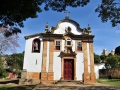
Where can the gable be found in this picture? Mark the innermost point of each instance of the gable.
(61, 28)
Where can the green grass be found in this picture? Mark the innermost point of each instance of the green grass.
(112, 82)
(26, 87)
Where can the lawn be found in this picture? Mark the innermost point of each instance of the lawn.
(112, 82)
(25, 87)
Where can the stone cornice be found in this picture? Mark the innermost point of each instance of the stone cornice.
(33, 35)
(50, 36)
(63, 54)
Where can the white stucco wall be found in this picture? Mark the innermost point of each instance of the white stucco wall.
(32, 61)
(73, 47)
(63, 45)
(57, 66)
(79, 66)
(62, 27)
(97, 67)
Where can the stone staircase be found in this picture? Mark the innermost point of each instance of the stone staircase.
(58, 85)
(68, 83)
(73, 85)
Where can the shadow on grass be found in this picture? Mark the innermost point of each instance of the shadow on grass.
(108, 80)
(13, 85)
(114, 80)
(9, 81)
(26, 87)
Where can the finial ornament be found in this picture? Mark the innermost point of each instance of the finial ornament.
(89, 29)
(67, 12)
(46, 27)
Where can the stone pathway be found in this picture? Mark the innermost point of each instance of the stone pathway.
(63, 86)
(76, 87)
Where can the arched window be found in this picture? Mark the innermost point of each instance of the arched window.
(36, 45)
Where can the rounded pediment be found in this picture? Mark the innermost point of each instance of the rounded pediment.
(70, 21)
(68, 24)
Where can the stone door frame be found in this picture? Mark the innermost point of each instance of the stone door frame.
(62, 67)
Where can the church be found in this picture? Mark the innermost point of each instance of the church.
(62, 52)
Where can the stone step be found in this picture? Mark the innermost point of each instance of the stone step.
(69, 82)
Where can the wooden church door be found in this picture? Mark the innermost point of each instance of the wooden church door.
(68, 69)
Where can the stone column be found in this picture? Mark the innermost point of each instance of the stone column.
(92, 73)
(44, 58)
(50, 70)
(86, 77)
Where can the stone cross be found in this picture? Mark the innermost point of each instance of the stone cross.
(67, 12)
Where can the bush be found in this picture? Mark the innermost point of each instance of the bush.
(3, 73)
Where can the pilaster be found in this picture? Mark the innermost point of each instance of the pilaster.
(92, 73)
(86, 75)
(44, 73)
(50, 70)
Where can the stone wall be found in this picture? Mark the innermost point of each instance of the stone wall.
(105, 73)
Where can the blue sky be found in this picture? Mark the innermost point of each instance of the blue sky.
(106, 36)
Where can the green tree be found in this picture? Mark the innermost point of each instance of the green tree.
(15, 61)
(109, 10)
(3, 72)
(103, 57)
(14, 12)
(117, 50)
(112, 61)
(97, 58)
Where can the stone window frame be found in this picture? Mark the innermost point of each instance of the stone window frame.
(59, 46)
(38, 45)
(76, 46)
(66, 42)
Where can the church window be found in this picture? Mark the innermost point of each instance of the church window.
(36, 45)
(79, 46)
(68, 42)
(57, 45)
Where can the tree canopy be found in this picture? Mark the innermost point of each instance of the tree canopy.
(97, 58)
(3, 72)
(14, 12)
(112, 61)
(15, 61)
(109, 10)
(8, 39)
(117, 50)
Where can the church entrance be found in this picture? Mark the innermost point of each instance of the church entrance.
(68, 69)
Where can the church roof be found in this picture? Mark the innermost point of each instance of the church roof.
(85, 32)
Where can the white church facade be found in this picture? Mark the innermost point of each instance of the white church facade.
(64, 52)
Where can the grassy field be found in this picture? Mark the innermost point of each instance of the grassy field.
(9, 87)
(112, 82)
